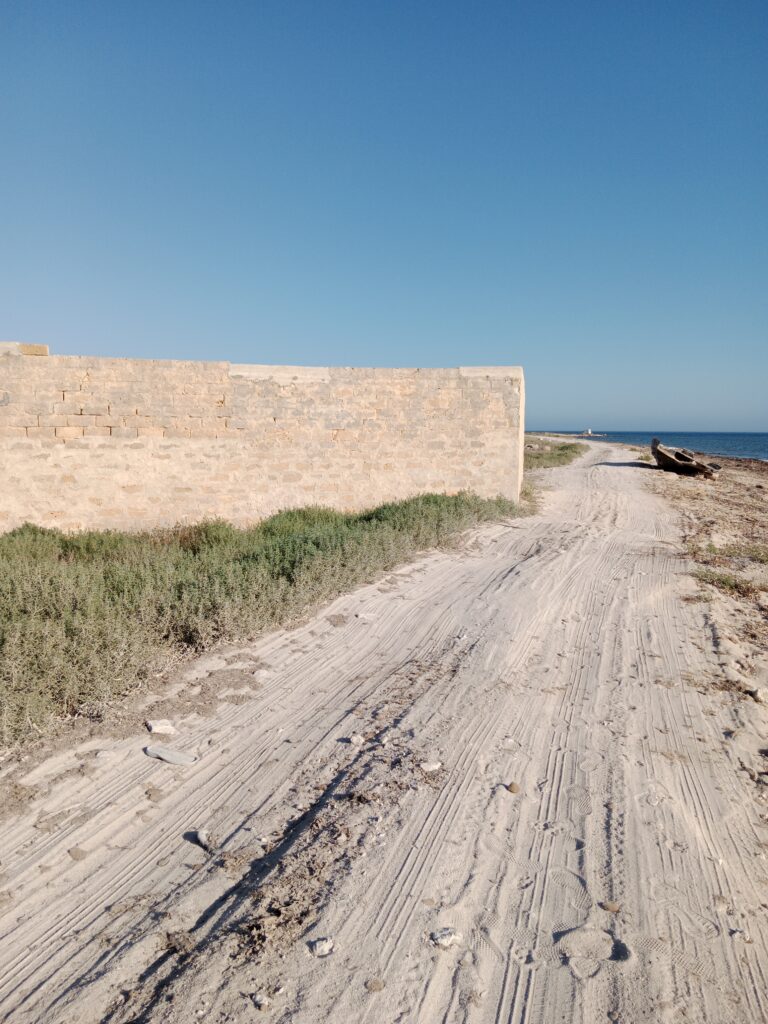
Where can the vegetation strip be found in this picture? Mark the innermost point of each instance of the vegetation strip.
(85, 618)
(550, 453)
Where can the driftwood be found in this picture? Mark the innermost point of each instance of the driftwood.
(680, 460)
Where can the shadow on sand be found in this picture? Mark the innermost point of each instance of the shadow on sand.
(631, 465)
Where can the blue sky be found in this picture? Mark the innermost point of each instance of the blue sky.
(577, 187)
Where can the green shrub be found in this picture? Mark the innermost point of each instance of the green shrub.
(560, 455)
(87, 617)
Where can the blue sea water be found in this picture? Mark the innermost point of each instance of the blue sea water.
(743, 446)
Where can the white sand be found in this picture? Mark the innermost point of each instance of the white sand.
(555, 653)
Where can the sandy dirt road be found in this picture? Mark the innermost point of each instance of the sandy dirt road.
(362, 794)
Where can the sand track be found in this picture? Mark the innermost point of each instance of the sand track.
(625, 879)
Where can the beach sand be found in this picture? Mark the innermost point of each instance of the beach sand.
(507, 782)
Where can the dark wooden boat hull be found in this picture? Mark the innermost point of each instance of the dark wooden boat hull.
(680, 460)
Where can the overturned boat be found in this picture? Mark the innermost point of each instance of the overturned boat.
(680, 460)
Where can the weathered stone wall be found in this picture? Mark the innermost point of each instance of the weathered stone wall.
(130, 443)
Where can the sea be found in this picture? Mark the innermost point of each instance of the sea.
(741, 446)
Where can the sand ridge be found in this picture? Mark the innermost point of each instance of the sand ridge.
(512, 745)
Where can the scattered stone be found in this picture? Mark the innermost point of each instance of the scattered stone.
(611, 906)
(179, 942)
(154, 793)
(513, 787)
(76, 853)
(321, 947)
(759, 694)
(161, 726)
(356, 739)
(431, 766)
(170, 755)
(261, 1001)
(374, 985)
(203, 838)
(444, 938)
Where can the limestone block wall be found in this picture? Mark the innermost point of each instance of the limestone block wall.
(91, 442)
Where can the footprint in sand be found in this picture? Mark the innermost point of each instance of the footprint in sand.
(578, 798)
(568, 901)
(654, 794)
(587, 949)
(672, 901)
(591, 762)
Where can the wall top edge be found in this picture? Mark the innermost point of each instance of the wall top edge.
(22, 348)
(261, 371)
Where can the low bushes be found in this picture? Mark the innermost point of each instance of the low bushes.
(86, 617)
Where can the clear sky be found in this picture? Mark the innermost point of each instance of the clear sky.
(580, 187)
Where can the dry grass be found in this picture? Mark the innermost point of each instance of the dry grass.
(88, 617)
(727, 582)
(561, 454)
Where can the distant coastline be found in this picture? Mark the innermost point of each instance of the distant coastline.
(732, 444)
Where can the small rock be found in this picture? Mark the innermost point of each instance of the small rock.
(611, 906)
(513, 787)
(374, 985)
(161, 726)
(170, 755)
(76, 853)
(261, 1001)
(431, 766)
(356, 739)
(203, 838)
(444, 938)
(321, 947)
(760, 694)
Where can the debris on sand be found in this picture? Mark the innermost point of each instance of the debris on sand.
(680, 460)
(431, 766)
(321, 947)
(444, 938)
(76, 853)
(513, 787)
(160, 727)
(261, 1000)
(611, 906)
(203, 839)
(374, 985)
(170, 755)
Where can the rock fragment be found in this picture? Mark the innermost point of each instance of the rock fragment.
(431, 766)
(170, 755)
(611, 906)
(374, 985)
(513, 787)
(160, 726)
(444, 938)
(321, 947)
(203, 838)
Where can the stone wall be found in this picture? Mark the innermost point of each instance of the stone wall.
(130, 443)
